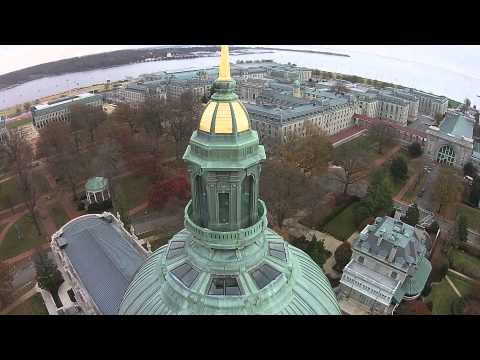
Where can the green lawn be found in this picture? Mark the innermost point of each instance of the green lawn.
(33, 306)
(10, 196)
(19, 123)
(12, 246)
(442, 294)
(473, 216)
(59, 215)
(135, 189)
(342, 226)
(459, 260)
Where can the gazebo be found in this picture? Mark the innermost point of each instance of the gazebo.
(96, 190)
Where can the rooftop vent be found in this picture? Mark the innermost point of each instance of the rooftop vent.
(62, 242)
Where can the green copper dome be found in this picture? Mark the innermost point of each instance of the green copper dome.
(226, 260)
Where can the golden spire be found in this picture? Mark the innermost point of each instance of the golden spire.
(224, 69)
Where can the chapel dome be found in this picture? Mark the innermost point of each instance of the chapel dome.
(224, 117)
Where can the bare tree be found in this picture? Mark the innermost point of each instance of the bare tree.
(20, 155)
(282, 188)
(446, 187)
(181, 120)
(153, 116)
(381, 134)
(123, 114)
(6, 286)
(354, 162)
(85, 118)
(308, 149)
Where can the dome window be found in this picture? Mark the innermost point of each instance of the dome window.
(175, 249)
(277, 250)
(224, 286)
(264, 275)
(186, 274)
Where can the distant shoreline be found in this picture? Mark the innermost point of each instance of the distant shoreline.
(304, 51)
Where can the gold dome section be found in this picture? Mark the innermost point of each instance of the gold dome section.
(223, 119)
(206, 120)
(219, 117)
(241, 118)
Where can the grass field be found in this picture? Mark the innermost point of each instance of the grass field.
(12, 246)
(32, 306)
(10, 196)
(59, 215)
(473, 216)
(442, 294)
(16, 124)
(342, 225)
(135, 189)
(459, 260)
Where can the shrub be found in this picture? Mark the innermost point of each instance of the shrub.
(458, 306)
(433, 228)
(469, 170)
(343, 254)
(440, 265)
(399, 168)
(415, 150)
(100, 207)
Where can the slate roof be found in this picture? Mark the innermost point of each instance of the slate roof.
(457, 125)
(401, 244)
(103, 257)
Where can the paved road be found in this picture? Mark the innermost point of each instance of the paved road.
(422, 123)
(427, 201)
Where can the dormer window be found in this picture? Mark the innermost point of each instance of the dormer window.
(361, 259)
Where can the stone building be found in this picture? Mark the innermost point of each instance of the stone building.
(278, 113)
(59, 110)
(98, 258)
(226, 260)
(389, 264)
(452, 143)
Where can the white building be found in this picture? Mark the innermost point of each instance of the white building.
(59, 110)
(389, 264)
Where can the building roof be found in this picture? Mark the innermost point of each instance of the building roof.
(457, 124)
(170, 292)
(65, 101)
(415, 283)
(224, 118)
(95, 184)
(393, 241)
(103, 256)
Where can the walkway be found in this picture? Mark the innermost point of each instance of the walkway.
(463, 276)
(407, 186)
(453, 286)
(19, 301)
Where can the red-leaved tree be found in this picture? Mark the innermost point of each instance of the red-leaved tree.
(162, 191)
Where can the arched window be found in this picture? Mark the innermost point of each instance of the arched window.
(446, 155)
(201, 202)
(247, 200)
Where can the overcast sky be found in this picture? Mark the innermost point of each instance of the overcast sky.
(464, 59)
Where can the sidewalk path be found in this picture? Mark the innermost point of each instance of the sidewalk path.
(453, 286)
(406, 187)
(19, 301)
(139, 208)
(463, 276)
